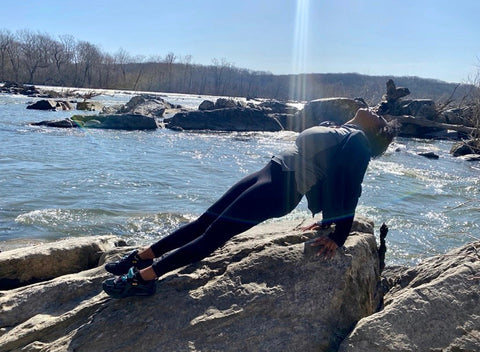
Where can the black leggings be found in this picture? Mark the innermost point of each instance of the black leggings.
(268, 193)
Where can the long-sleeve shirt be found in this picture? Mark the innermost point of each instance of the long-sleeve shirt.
(329, 165)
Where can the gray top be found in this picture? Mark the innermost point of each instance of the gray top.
(303, 157)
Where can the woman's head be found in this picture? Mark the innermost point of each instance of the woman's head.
(379, 132)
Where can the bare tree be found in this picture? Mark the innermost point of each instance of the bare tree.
(122, 58)
(36, 51)
(63, 52)
(169, 60)
(89, 57)
(6, 40)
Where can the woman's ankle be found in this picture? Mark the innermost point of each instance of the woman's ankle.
(146, 254)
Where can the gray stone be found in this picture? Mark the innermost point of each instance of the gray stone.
(224, 103)
(394, 93)
(419, 108)
(232, 119)
(129, 122)
(145, 105)
(23, 266)
(89, 106)
(434, 306)
(49, 104)
(65, 123)
(471, 146)
(338, 110)
(206, 105)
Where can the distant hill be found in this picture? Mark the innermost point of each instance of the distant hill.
(372, 88)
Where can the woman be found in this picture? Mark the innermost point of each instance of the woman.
(327, 165)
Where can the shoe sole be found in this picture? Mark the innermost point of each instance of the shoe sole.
(113, 291)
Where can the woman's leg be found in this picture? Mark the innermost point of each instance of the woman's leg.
(271, 193)
(196, 228)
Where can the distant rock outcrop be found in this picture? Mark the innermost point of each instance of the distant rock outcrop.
(231, 115)
(462, 148)
(147, 105)
(17, 88)
(140, 113)
(50, 104)
(127, 122)
(89, 106)
(421, 118)
(225, 119)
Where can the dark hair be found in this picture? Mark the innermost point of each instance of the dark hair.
(380, 140)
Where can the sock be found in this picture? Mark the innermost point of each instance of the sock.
(139, 278)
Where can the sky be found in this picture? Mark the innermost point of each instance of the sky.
(436, 39)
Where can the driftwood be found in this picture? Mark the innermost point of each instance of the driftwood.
(423, 122)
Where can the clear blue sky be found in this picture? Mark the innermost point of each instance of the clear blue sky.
(427, 38)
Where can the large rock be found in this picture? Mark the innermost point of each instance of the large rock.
(17, 88)
(49, 104)
(265, 290)
(20, 267)
(467, 147)
(338, 110)
(206, 105)
(229, 119)
(394, 93)
(465, 116)
(146, 105)
(89, 106)
(434, 306)
(65, 123)
(129, 122)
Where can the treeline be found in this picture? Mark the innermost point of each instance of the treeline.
(38, 58)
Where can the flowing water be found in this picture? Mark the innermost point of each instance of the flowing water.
(57, 183)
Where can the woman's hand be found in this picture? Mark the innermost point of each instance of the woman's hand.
(313, 227)
(328, 247)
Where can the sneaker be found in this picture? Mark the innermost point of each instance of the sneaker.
(129, 285)
(122, 266)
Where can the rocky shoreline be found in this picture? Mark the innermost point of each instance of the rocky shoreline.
(265, 290)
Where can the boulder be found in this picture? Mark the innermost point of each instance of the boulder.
(429, 155)
(129, 122)
(49, 104)
(418, 107)
(65, 123)
(89, 106)
(458, 116)
(394, 93)
(17, 88)
(224, 103)
(206, 105)
(264, 290)
(231, 119)
(434, 306)
(278, 107)
(20, 267)
(146, 105)
(471, 146)
(338, 110)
